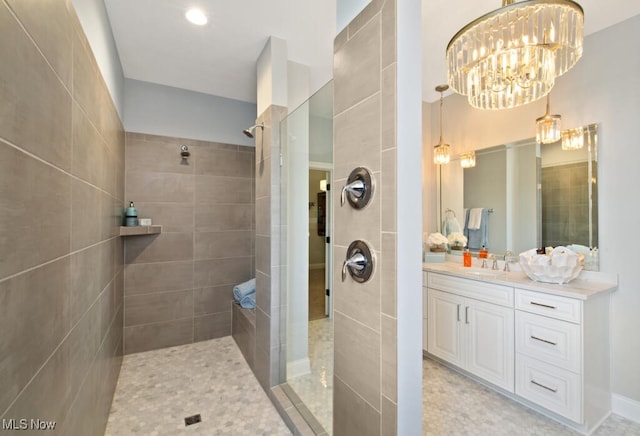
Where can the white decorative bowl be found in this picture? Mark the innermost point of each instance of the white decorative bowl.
(562, 266)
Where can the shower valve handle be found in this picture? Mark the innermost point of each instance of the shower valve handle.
(359, 262)
(355, 188)
(359, 188)
(356, 262)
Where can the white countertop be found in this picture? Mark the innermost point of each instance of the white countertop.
(587, 285)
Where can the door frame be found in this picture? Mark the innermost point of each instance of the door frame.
(328, 256)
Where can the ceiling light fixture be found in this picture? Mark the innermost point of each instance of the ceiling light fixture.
(441, 154)
(196, 16)
(468, 160)
(548, 127)
(512, 56)
(572, 139)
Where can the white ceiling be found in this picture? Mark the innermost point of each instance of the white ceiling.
(156, 44)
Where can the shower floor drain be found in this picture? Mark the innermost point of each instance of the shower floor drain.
(194, 419)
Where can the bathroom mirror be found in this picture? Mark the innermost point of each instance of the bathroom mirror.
(539, 194)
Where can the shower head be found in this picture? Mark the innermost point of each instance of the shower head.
(249, 131)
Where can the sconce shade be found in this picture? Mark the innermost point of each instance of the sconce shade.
(572, 139)
(512, 56)
(468, 160)
(548, 127)
(441, 154)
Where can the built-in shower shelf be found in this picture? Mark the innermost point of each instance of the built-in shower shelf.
(140, 230)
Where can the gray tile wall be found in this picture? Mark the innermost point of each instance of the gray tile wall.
(565, 205)
(61, 191)
(365, 320)
(178, 284)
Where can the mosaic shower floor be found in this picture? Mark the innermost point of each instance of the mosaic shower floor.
(158, 389)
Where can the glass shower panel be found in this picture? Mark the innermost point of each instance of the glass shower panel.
(306, 141)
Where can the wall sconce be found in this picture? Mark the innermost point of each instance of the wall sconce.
(441, 152)
(323, 185)
(548, 127)
(468, 160)
(572, 139)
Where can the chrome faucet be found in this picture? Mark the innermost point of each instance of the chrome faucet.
(495, 262)
(508, 256)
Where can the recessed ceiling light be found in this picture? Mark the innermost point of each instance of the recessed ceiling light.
(196, 16)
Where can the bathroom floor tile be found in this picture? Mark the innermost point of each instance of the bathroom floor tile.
(454, 404)
(158, 389)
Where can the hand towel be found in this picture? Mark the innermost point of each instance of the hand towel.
(243, 289)
(475, 218)
(477, 238)
(450, 225)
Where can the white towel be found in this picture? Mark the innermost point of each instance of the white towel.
(475, 218)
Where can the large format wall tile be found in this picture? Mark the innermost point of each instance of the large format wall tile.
(50, 25)
(159, 187)
(164, 306)
(158, 335)
(34, 210)
(363, 373)
(356, 68)
(220, 245)
(165, 247)
(36, 109)
(35, 320)
(217, 161)
(158, 277)
(351, 413)
(218, 217)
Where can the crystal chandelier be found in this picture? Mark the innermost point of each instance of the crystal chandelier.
(468, 160)
(548, 127)
(572, 139)
(512, 56)
(441, 152)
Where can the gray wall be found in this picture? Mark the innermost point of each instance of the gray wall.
(61, 191)
(178, 284)
(603, 88)
(164, 110)
(95, 22)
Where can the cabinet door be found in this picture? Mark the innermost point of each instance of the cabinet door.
(490, 341)
(425, 313)
(445, 326)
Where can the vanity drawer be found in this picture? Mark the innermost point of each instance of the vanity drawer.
(550, 340)
(424, 278)
(567, 309)
(556, 389)
(479, 290)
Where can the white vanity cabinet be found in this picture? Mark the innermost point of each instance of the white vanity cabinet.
(470, 324)
(544, 345)
(562, 354)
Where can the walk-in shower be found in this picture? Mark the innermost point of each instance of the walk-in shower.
(250, 130)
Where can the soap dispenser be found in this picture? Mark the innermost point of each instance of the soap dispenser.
(466, 258)
(131, 216)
